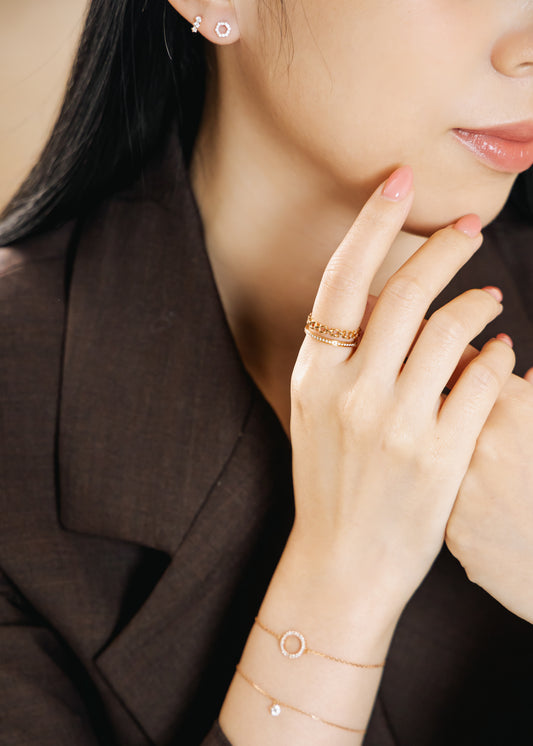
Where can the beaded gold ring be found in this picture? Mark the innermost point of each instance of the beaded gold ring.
(331, 335)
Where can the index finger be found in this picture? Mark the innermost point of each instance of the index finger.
(343, 291)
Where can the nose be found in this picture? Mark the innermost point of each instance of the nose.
(512, 55)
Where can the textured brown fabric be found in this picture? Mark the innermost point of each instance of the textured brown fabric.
(146, 496)
(217, 737)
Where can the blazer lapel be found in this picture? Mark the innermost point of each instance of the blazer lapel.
(186, 639)
(165, 441)
(154, 395)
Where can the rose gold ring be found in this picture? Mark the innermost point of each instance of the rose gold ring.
(331, 336)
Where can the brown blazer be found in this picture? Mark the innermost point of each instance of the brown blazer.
(146, 497)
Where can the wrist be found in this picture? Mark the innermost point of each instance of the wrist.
(376, 574)
(318, 595)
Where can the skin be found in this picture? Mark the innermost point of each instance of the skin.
(285, 161)
(490, 530)
(365, 532)
(296, 187)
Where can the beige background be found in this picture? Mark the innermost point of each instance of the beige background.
(37, 44)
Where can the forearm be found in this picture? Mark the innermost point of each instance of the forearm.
(339, 616)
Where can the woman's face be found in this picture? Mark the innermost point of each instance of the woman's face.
(377, 83)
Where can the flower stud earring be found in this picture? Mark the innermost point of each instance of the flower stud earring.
(197, 22)
(222, 29)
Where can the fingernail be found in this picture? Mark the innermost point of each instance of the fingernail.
(399, 184)
(494, 291)
(470, 225)
(505, 338)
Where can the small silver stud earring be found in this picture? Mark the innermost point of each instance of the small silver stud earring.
(222, 29)
(197, 21)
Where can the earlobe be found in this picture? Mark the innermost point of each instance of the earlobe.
(223, 29)
(214, 19)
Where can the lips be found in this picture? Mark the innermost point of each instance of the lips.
(508, 148)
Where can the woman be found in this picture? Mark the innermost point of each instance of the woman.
(147, 382)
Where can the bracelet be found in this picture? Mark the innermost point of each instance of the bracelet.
(282, 639)
(276, 705)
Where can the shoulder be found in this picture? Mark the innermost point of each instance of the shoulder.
(33, 269)
(32, 314)
(32, 323)
(46, 246)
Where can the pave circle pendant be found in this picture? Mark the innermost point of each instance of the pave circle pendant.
(275, 709)
(301, 650)
(222, 29)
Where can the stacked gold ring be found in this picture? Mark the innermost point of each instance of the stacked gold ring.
(331, 336)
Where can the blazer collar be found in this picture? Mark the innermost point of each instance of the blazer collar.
(154, 394)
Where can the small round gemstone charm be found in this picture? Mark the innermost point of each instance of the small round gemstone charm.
(301, 649)
(275, 710)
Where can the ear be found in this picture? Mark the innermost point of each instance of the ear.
(218, 18)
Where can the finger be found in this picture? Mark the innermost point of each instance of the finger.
(469, 403)
(408, 294)
(440, 346)
(468, 355)
(470, 352)
(342, 295)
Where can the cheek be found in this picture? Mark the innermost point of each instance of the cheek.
(373, 84)
(358, 96)
(442, 196)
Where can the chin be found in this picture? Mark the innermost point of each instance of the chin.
(424, 219)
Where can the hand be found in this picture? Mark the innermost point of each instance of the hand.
(490, 530)
(378, 455)
(378, 458)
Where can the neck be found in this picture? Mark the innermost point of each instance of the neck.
(272, 220)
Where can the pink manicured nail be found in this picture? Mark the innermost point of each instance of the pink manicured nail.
(505, 338)
(469, 225)
(494, 291)
(399, 184)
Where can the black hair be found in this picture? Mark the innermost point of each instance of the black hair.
(138, 69)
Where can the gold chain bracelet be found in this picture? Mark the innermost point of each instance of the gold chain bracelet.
(304, 648)
(276, 705)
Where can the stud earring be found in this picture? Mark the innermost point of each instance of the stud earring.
(197, 21)
(222, 29)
